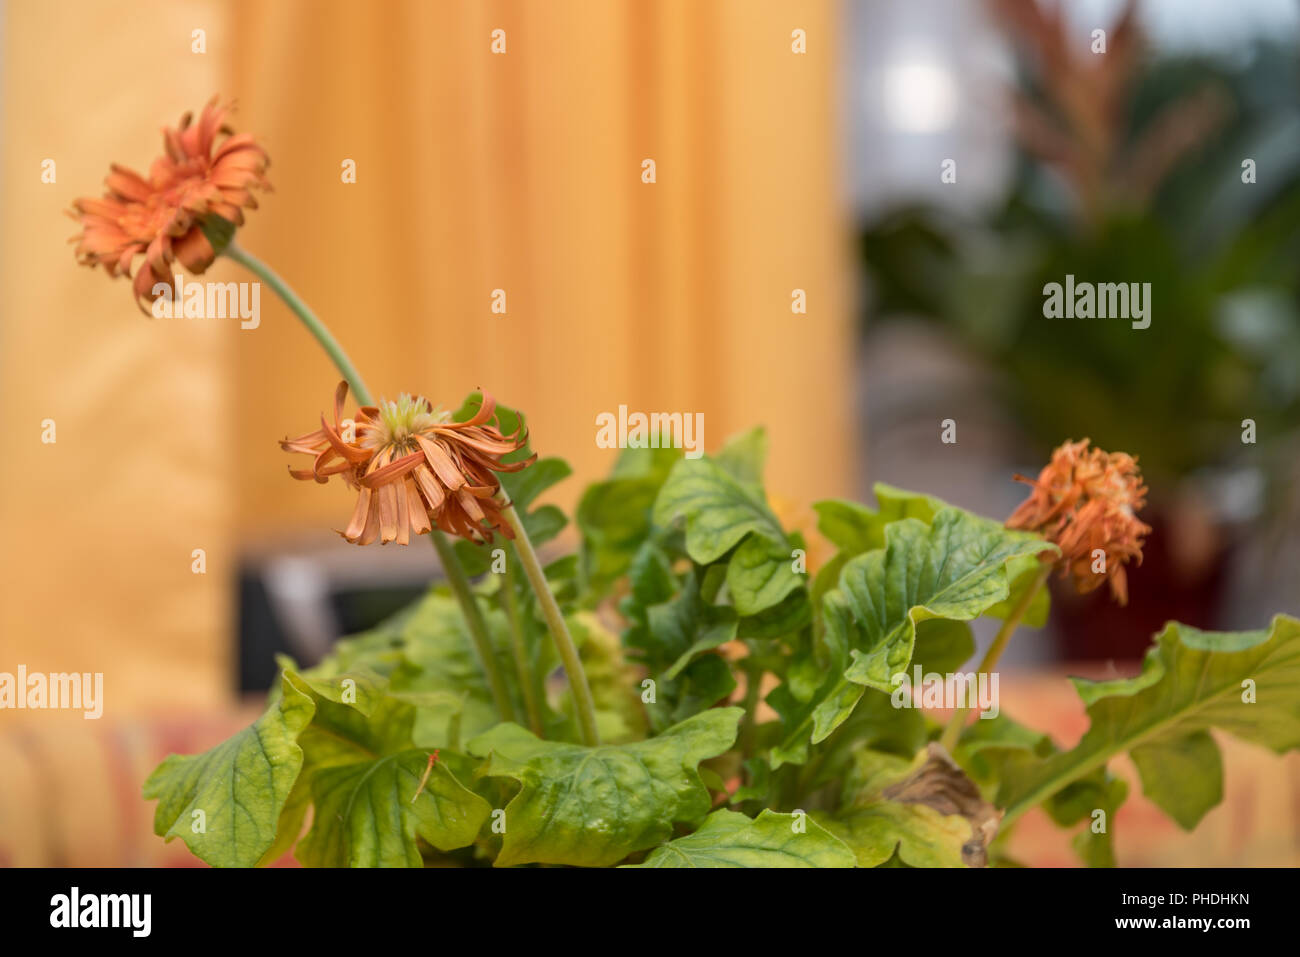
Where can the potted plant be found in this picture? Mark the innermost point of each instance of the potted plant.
(723, 703)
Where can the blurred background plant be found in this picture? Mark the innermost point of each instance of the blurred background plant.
(1178, 167)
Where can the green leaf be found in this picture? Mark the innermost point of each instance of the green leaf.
(704, 682)
(954, 568)
(729, 839)
(921, 836)
(368, 814)
(241, 786)
(288, 829)
(525, 486)
(790, 616)
(942, 645)
(814, 699)
(594, 806)
(988, 746)
(1183, 775)
(359, 687)
(651, 576)
(673, 640)
(990, 750)
(851, 527)
(759, 775)
(1080, 801)
(679, 631)
(365, 775)
(721, 514)
(743, 458)
(761, 575)
(927, 812)
(1191, 681)
(438, 655)
(614, 515)
(857, 529)
(614, 686)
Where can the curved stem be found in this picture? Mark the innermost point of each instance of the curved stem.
(952, 732)
(577, 676)
(459, 582)
(510, 601)
(301, 310)
(450, 563)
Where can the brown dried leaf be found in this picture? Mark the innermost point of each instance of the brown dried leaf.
(939, 783)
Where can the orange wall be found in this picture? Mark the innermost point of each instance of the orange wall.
(475, 171)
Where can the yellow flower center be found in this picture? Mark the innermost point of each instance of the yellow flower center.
(401, 419)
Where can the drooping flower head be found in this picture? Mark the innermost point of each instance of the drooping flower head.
(1084, 500)
(414, 468)
(196, 191)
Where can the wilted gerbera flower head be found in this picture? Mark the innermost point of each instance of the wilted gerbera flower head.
(1083, 500)
(197, 189)
(413, 468)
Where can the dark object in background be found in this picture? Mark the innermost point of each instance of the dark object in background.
(1093, 627)
(260, 636)
(264, 633)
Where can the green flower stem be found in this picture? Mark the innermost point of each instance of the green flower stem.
(478, 631)
(952, 732)
(573, 670)
(450, 563)
(300, 309)
(510, 602)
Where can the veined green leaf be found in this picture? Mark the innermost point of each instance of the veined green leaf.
(955, 568)
(594, 806)
(225, 804)
(702, 684)
(721, 514)
(679, 631)
(365, 777)
(368, 813)
(1244, 683)
(729, 839)
(787, 618)
(856, 529)
(673, 640)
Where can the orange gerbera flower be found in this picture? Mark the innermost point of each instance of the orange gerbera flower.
(1084, 500)
(414, 468)
(204, 180)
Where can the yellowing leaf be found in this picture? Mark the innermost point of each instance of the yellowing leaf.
(594, 806)
(729, 839)
(225, 804)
